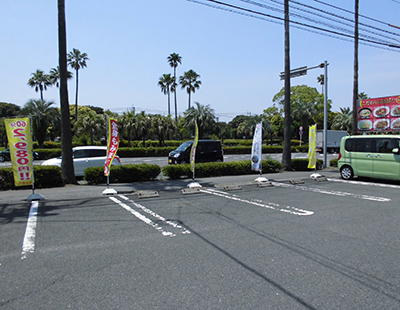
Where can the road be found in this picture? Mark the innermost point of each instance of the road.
(312, 245)
(162, 161)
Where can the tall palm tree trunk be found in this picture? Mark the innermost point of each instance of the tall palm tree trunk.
(169, 102)
(67, 164)
(287, 156)
(176, 107)
(76, 98)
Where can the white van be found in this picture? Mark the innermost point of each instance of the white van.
(375, 156)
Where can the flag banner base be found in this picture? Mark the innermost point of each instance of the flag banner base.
(261, 179)
(110, 191)
(194, 185)
(33, 197)
(315, 175)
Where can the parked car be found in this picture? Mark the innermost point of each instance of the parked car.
(85, 157)
(374, 156)
(206, 151)
(5, 155)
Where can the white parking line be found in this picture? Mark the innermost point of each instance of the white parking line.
(157, 216)
(364, 183)
(147, 220)
(331, 192)
(259, 203)
(28, 245)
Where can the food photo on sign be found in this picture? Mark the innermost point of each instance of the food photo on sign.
(379, 114)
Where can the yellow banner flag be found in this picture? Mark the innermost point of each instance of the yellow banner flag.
(20, 143)
(193, 149)
(311, 147)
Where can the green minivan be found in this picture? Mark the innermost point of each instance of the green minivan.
(375, 156)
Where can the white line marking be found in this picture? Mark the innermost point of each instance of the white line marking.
(28, 245)
(272, 206)
(143, 218)
(157, 216)
(365, 183)
(330, 192)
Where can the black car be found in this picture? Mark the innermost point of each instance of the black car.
(5, 155)
(206, 151)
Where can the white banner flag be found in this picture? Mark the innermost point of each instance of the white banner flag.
(256, 148)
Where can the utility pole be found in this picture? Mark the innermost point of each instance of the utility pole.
(355, 85)
(286, 155)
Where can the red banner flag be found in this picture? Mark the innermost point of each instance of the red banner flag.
(113, 141)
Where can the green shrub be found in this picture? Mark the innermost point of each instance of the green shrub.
(301, 164)
(219, 169)
(333, 162)
(45, 176)
(123, 174)
(48, 153)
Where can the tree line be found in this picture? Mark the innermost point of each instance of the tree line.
(90, 125)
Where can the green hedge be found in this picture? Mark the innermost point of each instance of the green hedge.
(301, 164)
(219, 169)
(265, 149)
(333, 162)
(45, 176)
(123, 174)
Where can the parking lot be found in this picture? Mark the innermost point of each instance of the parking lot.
(298, 244)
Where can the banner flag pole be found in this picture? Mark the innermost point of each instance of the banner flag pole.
(256, 152)
(112, 147)
(193, 157)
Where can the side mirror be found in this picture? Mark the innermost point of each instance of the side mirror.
(396, 151)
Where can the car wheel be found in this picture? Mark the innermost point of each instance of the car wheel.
(182, 162)
(346, 172)
(219, 160)
(2, 159)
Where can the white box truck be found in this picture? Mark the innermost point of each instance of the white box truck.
(333, 137)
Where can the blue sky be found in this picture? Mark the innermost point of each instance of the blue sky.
(239, 58)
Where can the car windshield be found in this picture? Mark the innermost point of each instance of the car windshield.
(184, 146)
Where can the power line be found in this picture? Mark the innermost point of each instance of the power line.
(312, 20)
(295, 24)
(347, 19)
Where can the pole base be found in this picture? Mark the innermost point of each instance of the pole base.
(35, 197)
(110, 191)
(194, 185)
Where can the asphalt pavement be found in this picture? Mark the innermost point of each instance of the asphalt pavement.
(163, 184)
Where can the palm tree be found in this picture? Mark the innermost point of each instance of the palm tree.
(54, 76)
(305, 113)
(67, 164)
(90, 123)
(321, 80)
(173, 60)
(343, 120)
(77, 60)
(40, 81)
(362, 96)
(128, 120)
(203, 115)
(143, 125)
(189, 80)
(165, 82)
(161, 127)
(40, 112)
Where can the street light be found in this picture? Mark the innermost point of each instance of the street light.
(303, 71)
